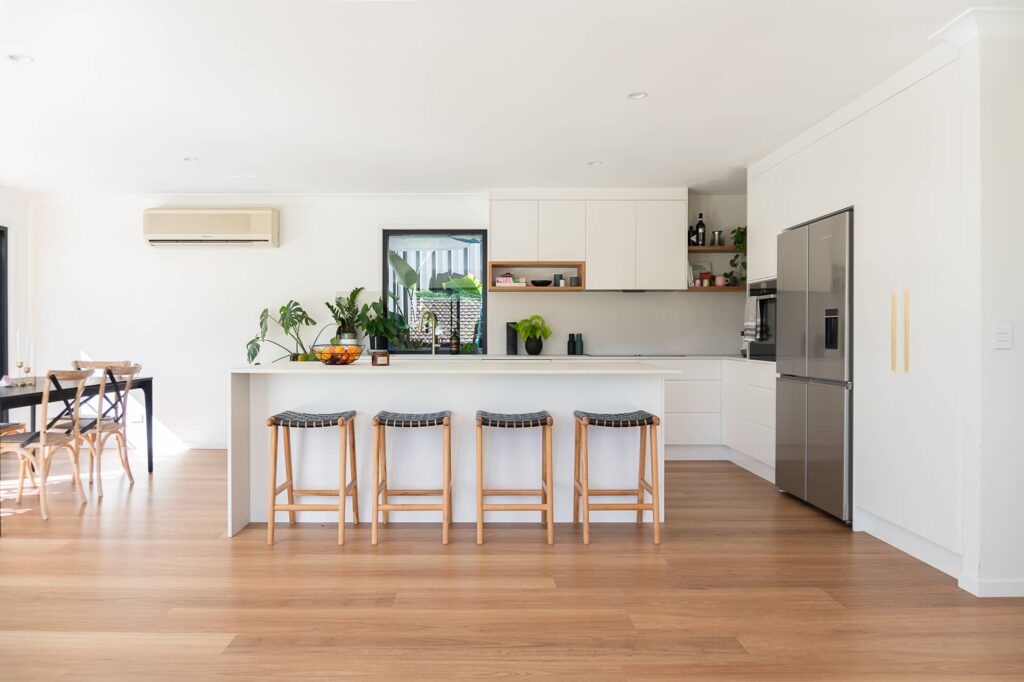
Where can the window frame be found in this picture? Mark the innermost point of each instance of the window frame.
(388, 232)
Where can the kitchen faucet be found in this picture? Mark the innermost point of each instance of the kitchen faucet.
(431, 317)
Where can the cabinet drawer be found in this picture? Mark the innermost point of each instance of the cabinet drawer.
(691, 370)
(693, 396)
(754, 440)
(761, 408)
(761, 374)
(692, 429)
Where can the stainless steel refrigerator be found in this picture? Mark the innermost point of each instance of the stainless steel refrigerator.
(814, 363)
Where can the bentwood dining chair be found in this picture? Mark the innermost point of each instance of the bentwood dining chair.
(37, 449)
(110, 418)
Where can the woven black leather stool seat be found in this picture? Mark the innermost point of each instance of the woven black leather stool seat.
(308, 420)
(522, 420)
(621, 420)
(409, 420)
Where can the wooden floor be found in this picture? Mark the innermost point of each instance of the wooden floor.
(748, 584)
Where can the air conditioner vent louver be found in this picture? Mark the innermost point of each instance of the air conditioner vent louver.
(211, 226)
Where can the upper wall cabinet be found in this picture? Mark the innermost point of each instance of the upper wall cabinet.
(631, 238)
(563, 230)
(611, 245)
(661, 253)
(513, 234)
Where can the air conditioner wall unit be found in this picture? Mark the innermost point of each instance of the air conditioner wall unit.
(211, 226)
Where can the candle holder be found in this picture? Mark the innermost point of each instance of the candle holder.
(26, 380)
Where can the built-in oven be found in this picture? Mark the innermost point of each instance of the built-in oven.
(759, 332)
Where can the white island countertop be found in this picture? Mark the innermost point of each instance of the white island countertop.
(470, 365)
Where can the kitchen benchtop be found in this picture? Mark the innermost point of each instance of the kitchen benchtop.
(464, 365)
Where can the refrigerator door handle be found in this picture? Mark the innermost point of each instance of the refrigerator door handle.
(892, 330)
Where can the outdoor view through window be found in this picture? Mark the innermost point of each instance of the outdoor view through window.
(436, 275)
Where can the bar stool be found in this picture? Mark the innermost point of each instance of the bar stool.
(381, 492)
(647, 423)
(546, 506)
(301, 420)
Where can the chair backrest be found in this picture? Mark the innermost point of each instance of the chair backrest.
(102, 397)
(116, 374)
(100, 364)
(54, 378)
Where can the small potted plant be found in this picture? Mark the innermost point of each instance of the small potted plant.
(345, 311)
(379, 327)
(533, 330)
(738, 262)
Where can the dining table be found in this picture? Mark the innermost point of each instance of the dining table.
(31, 395)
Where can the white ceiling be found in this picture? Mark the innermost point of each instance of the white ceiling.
(431, 95)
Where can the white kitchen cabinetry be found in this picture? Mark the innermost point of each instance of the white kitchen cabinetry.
(748, 408)
(514, 230)
(661, 260)
(693, 401)
(611, 245)
(562, 231)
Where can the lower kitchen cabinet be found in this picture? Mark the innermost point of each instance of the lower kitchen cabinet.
(748, 408)
(693, 402)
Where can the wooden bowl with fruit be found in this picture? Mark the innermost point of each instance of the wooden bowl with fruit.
(337, 354)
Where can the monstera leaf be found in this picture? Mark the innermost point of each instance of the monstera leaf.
(292, 316)
(467, 285)
(407, 275)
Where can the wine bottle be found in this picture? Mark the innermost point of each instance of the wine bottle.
(701, 230)
(454, 344)
(691, 236)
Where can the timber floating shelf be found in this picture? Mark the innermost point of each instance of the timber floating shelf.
(530, 270)
(729, 248)
(737, 287)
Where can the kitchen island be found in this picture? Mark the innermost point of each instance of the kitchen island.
(462, 385)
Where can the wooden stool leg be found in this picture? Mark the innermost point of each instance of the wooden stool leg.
(446, 487)
(479, 483)
(576, 475)
(376, 481)
(288, 473)
(352, 463)
(272, 484)
(548, 480)
(543, 470)
(640, 474)
(585, 480)
(656, 495)
(342, 477)
(384, 470)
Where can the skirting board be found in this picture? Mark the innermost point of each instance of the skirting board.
(719, 453)
(947, 561)
(991, 588)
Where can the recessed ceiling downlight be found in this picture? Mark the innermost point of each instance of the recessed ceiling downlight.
(19, 58)
(639, 94)
(595, 163)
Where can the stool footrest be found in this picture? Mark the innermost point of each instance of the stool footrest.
(515, 507)
(437, 506)
(322, 493)
(414, 493)
(306, 507)
(608, 492)
(620, 506)
(511, 492)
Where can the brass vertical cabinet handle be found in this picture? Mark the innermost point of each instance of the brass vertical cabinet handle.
(892, 329)
(906, 331)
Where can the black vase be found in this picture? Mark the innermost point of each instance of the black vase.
(378, 343)
(534, 346)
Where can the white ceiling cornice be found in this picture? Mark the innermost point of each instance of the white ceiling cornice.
(983, 22)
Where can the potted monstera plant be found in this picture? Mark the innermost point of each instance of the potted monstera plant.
(291, 318)
(533, 330)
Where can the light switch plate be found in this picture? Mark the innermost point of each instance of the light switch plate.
(1002, 334)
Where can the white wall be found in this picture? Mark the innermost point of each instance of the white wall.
(15, 216)
(186, 314)
(1001, 175)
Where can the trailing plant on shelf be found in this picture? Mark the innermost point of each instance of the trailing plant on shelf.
(738, 262)
(345, 311)
(533, 330)
(291, 318)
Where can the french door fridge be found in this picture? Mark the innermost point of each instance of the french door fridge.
(814, 363)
